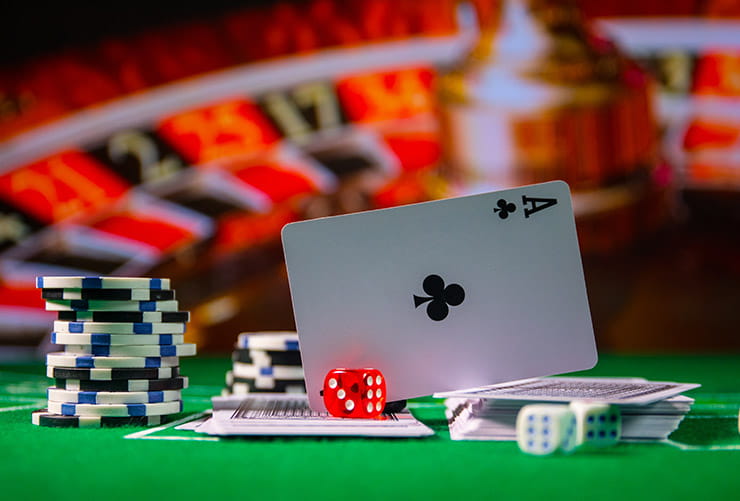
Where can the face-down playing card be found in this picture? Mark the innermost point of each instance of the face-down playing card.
(443, 295)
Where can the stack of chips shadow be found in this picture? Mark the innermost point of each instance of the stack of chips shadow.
(265, 362)
(122, 338)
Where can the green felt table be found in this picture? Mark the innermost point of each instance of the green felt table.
(701, 460)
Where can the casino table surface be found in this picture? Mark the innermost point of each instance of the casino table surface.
(700, 460)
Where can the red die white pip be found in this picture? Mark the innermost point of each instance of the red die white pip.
(354, 393)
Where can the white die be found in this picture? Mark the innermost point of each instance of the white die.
(597, 424)
(543, 429)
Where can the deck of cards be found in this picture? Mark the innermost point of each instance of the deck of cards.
(625, 408)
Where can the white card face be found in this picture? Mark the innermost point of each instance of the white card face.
(443, 295)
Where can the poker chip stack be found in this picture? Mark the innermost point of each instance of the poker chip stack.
(265, 362)
(122, 341)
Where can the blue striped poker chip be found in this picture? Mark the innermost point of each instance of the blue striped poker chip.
(172, 350)
(80, 282)
(105, 351)
(95, 304)
(108, 397)
(135, 327)
(102, 339)
(278, 341)
(89, 361)
(113, 410)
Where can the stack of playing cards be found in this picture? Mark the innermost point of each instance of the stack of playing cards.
(274, 414)
(650, 410)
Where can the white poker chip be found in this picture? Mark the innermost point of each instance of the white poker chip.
(83, 361)
(277, 341)
(115, 410)
(111, 305)
(119, 327)
(102, 283)
(116, 339)
(267, 384)
(278, 387)
(108, 397)
(172, 350)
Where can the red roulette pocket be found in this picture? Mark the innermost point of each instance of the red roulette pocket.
(243, 230)
(415, 148)
(410, 188)
(384, 96)
(61, 186)
(222, 130)
(705, 133)
(282, 174)
(716, 74)
(155, 226)
(159, 234)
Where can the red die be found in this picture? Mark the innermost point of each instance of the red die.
(355, 393)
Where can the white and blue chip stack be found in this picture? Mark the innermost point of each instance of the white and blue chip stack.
(265, 362)
(122, 338)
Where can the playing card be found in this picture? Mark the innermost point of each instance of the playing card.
(634, 391)
(443, 295)
(289, 415)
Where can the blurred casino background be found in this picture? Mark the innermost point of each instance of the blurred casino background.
(177, 140)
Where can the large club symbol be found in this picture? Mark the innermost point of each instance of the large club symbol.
(440, 297)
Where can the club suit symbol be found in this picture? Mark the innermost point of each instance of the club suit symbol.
(504, 208)
(440, 297)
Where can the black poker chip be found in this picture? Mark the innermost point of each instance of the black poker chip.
(44, 418)
(124, 316)
(268, 357)
(105, 374)
(175, 383)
